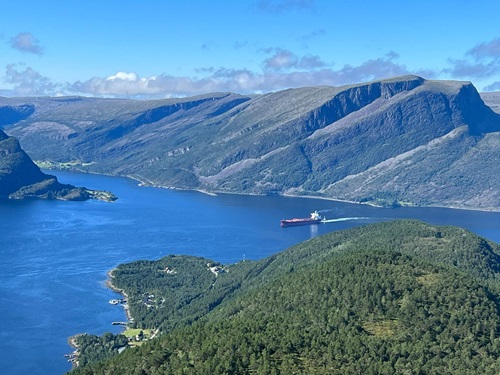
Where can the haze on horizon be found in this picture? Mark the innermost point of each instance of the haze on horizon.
(159, 49)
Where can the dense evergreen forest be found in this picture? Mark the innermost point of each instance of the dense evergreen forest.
(398, 297)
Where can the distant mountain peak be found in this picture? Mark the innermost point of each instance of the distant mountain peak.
(439, 137)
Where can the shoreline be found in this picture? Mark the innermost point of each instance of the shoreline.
(126, 307)
(217, 192)
(148, 183)
(72, 340)
(73, 356)
(142, 181)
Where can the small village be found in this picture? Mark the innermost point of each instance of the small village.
(137, 336)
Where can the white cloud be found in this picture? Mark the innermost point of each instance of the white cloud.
(281, 70)
(28, 81)
(123, 76)
(281, 59)
(119, 84)
(26, 42)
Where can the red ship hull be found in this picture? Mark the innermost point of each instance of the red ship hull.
(295, 222)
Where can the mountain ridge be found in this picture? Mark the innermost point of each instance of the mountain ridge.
(303, 141)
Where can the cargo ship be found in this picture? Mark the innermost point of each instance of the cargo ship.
(314, 219)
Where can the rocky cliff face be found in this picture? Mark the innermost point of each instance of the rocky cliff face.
(396, 141)
(20, 178)
(16, 168)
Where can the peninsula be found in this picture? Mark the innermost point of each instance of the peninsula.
(400, 296)
(21, 178)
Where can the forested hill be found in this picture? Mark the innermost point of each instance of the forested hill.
(398, 297)
(404, 140)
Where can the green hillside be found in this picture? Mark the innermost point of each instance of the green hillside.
(397, 297)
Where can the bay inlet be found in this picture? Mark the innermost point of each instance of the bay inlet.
(55, 255)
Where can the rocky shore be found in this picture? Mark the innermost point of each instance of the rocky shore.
(73, 356)
(125, 305)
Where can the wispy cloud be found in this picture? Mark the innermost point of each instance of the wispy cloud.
(305, 39)
(285, 60)
(481, 61)
(490, 49)
(382, 67)
(207, 46)
(462, 68)
(495, 86)
(26, 42)
(239, 45)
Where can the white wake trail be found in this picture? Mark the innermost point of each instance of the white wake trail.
(344, 219)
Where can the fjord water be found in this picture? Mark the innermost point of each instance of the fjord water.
(55, 255)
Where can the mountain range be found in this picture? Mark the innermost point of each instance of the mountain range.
(400, 141)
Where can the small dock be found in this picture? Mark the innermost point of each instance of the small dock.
(117, 301)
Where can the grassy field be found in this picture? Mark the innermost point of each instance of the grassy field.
(133, 332)
(54, 165)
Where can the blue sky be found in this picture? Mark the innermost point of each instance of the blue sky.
(171, 48)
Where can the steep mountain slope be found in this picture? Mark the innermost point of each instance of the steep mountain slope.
(398, 140)
(21, 178)
(492, 99)
(389, 298)
(10, 114)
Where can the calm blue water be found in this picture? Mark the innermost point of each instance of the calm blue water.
(55, 255)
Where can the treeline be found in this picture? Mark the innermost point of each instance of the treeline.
(92, 348)
(379, 313)
(398, 297)
(177, 290)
